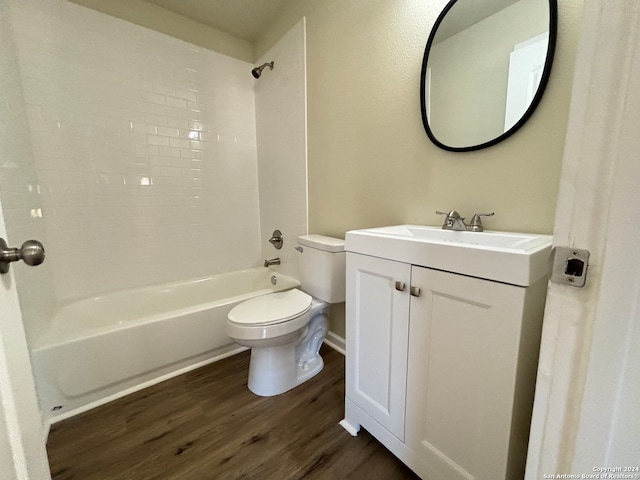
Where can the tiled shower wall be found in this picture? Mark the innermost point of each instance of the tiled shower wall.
(19, 186)
(144, 147)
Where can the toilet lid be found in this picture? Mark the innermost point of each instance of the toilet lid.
(271, 308)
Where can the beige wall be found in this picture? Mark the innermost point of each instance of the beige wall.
(162, 20)
(370, 161)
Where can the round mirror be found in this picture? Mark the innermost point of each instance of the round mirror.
(485, 68)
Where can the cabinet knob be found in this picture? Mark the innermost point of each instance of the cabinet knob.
(400, 286)
(415, 291)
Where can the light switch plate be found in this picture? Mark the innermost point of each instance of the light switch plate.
(570, 266)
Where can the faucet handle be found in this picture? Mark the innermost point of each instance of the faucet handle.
(451, 214)
(476, 221)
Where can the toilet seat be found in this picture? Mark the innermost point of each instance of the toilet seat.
(271, 309)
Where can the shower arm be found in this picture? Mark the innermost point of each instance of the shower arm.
(257, 71)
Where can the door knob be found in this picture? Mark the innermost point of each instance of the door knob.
(31, 251)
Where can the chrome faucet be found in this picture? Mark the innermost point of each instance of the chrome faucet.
(273, 261)
(453, 221)
(276, 239)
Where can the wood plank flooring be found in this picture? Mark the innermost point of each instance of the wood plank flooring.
(206, 424)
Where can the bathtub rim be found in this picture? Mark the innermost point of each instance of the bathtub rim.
(50, 338)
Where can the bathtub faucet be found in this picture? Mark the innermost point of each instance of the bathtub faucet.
(273, 261)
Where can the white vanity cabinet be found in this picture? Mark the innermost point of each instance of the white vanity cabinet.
(441, 366)
(378, 308)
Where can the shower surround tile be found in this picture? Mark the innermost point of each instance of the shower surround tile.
(144, 148)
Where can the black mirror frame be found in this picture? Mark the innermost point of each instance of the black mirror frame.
(553, 32)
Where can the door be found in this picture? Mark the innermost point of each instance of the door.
(22, 450)
(586, 411)
(377, 311)
(463, 355)
(526, 64)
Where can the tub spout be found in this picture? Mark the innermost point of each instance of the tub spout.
(273, 261)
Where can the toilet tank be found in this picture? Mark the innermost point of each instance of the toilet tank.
(321, 264)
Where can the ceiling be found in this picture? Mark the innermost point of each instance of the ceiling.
(244, 19)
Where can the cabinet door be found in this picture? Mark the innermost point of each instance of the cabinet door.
(377, 311)
(463, 349)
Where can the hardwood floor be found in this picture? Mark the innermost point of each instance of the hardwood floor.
(206, 424)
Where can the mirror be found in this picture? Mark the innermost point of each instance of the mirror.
(484, 70)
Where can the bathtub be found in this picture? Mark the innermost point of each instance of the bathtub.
(101, 348)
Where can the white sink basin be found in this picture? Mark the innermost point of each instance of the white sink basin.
(515, 258)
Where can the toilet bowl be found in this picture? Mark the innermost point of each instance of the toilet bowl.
(285, 330)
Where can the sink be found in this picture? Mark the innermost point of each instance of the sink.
(514, 258)
(486, 239)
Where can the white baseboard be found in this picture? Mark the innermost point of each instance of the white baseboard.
(336, 342)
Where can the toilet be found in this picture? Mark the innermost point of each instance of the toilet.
(285, 330)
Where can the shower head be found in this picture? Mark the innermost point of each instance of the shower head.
(256, 72)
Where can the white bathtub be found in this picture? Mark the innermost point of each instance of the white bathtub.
(98, 349)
